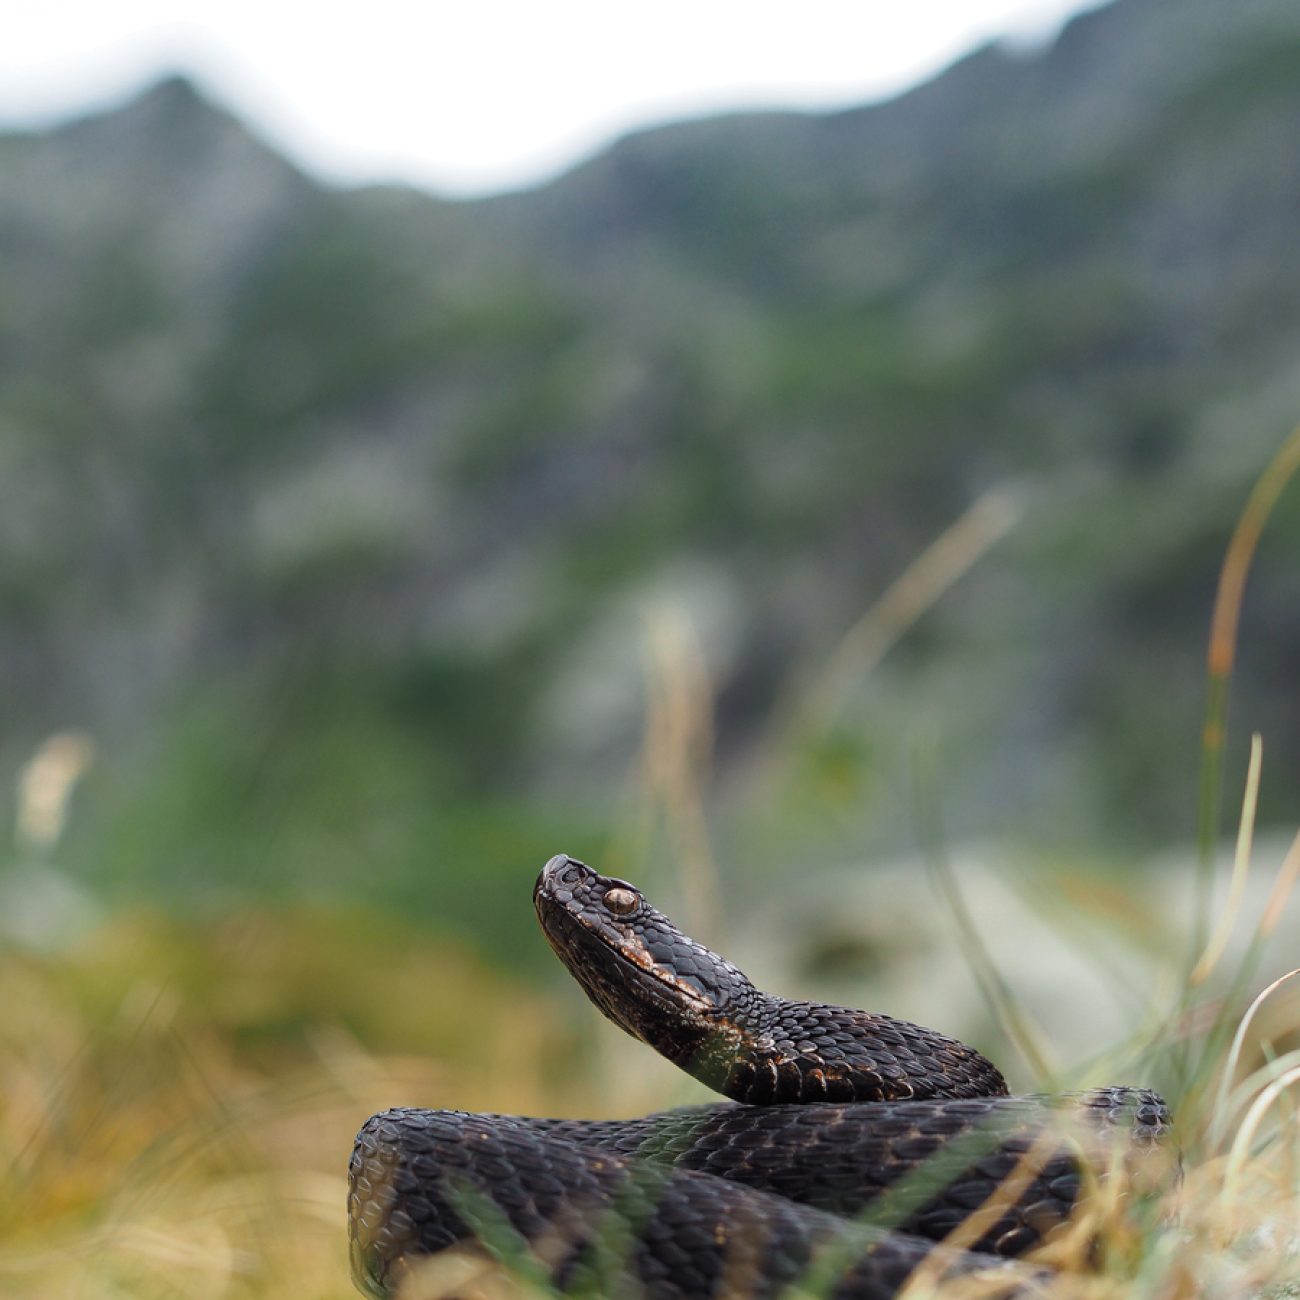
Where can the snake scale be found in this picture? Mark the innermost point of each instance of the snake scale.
(836, 1117)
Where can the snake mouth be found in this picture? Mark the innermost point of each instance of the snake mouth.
(638, 962)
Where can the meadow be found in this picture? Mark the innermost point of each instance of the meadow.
(179, 1089)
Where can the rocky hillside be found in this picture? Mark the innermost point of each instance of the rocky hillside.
(336, 516)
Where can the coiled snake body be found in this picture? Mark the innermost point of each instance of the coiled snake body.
(845, 1115)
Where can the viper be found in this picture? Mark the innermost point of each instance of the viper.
(853, 1145)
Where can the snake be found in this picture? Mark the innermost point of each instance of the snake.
(855, 1151)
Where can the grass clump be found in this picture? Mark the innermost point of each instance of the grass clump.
(178, 1100)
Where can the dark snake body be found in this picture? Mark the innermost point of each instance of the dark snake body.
(741, 1200)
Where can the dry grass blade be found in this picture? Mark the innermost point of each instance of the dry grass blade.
(1240, 869)
(1222, 1108)
(1013, 1019)
(1282, 887)
(45, 787)
(1242, 1095)
(672, 782)
(1241, 551)
(1004, 1196)
(951, 555)
(1243, 1143)
(1222, 655)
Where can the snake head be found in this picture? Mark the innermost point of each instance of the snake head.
(638, 968)
(702, 1013)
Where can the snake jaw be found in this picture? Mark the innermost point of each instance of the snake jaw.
(640, 970)
(567, 897)
(640, 957)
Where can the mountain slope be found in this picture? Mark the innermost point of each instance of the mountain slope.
(341, 513)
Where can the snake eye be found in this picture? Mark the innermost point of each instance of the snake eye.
(622, 902)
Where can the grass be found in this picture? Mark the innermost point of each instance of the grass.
(178, 1095)
(178, 1100)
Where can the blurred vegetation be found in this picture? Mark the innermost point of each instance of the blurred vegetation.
(336, 518)
(180, 1098)
(360, 550)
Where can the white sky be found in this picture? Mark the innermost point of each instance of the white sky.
(471, 96)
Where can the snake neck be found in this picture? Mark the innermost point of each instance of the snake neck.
(794, 1051)
(703, 1013)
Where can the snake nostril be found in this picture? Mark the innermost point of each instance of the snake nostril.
(562, 870)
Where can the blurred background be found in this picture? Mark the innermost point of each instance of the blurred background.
(741, 504)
